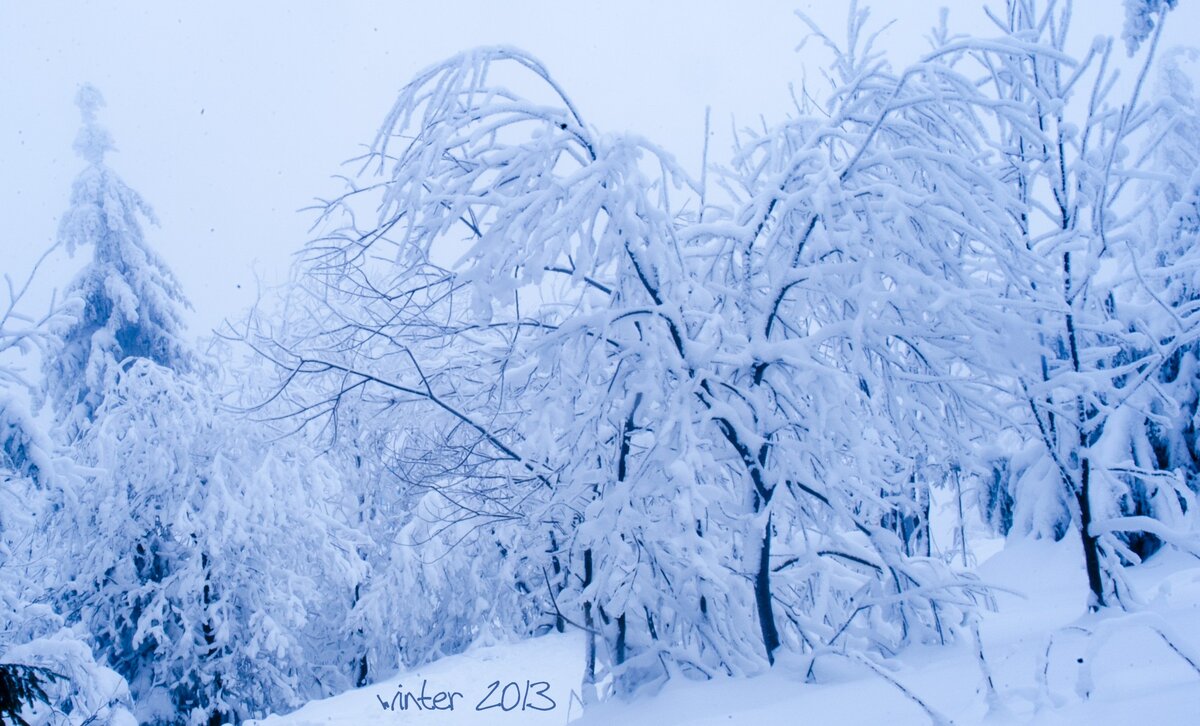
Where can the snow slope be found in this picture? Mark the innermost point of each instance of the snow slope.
(1109, 669)
(555, 660)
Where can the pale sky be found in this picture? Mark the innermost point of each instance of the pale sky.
(231, 116)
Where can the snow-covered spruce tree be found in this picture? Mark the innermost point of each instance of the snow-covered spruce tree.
(131, 301)
(201, 561)
(1091, 294)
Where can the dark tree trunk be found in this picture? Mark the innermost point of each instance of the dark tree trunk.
(589, 668)
(360, 679)
(620, 654)
(762, 596)
(216, 718)
(559, 623)
(1091, 548)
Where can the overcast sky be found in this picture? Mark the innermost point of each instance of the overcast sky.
(231, 116)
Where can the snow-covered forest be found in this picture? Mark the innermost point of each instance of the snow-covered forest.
(809, 411)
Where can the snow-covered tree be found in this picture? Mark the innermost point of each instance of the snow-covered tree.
(1089, 296)
(211, 572)
(47, 672)
(131, 302)
(65, 684)
(429, 582)
(1164, 242)
(25, 450)
(605, 380)
(703, 424)
(1142, 18)
(200, 559)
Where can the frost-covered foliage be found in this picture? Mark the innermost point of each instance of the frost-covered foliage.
(47, 672)
(1172, 222)
(622, 400)
(131, 301)
(702, 421)
(25, 450)
(209, 573)
(1090, 295)
(191, 552)
(75, 690)
(1141, 18)
(427, 578)
(1162, 432)
(27, 472)
(539, 377)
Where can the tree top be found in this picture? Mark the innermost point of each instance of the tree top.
(93, 140)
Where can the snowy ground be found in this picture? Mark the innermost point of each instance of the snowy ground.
(1115, 669)
(556, 661)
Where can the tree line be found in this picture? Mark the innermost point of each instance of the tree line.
(530, 376)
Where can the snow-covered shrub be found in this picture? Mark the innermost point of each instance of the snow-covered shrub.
(78, 691)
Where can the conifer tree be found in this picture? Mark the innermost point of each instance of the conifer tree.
(131, 302)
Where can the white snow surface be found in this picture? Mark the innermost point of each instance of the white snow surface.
(1040, 596)
(556, 660)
